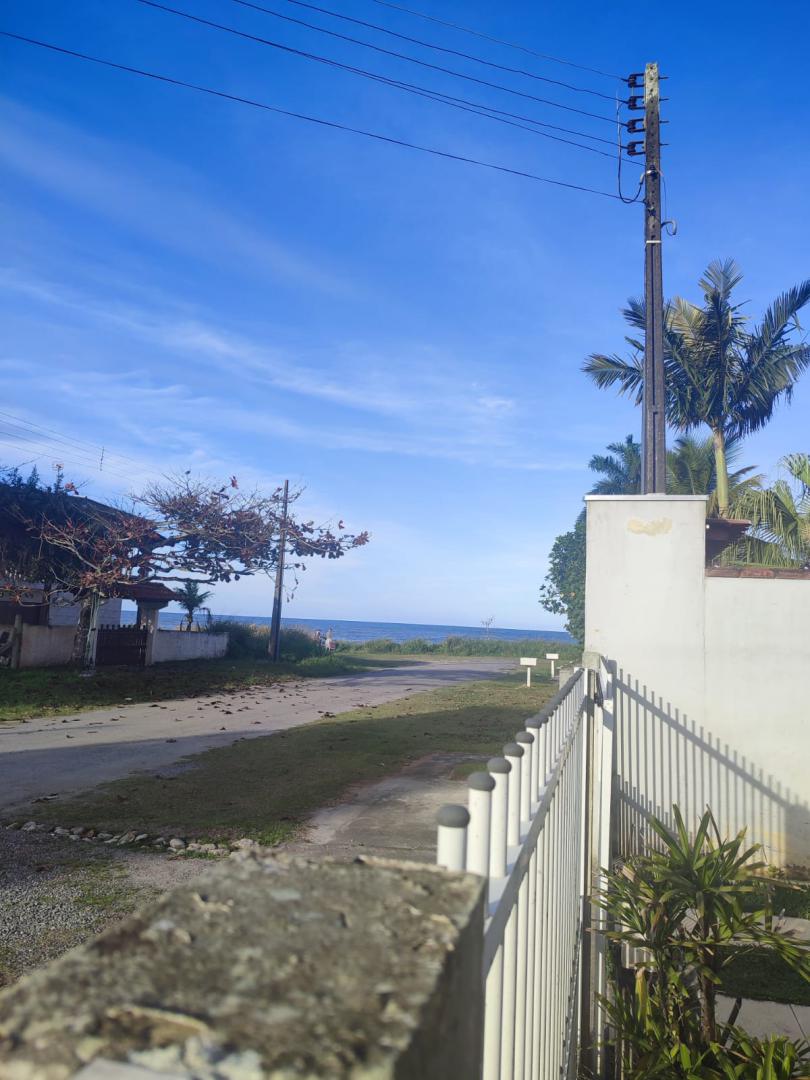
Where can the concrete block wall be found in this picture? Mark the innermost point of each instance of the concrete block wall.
(711, 707)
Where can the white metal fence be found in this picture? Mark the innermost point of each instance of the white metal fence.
(525, 831)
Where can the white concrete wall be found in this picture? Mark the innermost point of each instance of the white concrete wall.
(46, 646)
(181, 645)
(712, 705)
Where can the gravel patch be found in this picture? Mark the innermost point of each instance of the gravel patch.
(55, 893)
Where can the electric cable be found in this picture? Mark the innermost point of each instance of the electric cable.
(425, 44)
(377, 48)
(320, 121)
(497, 41)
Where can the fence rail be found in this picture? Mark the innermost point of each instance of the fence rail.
(525, 831)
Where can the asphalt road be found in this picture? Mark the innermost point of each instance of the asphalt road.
(60, 755)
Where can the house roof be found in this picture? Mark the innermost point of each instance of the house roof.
(145, 590)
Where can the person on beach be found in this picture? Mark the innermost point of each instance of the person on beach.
(330, 641)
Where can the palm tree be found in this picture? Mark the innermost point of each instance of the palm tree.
(718, 371)
(780, 516)
(191, 599)
(620, 469)
(692, 470)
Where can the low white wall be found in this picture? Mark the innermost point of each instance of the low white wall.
(182, 645)
(46, 646)
(712, 706)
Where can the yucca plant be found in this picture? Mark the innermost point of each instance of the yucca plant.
(681, 908)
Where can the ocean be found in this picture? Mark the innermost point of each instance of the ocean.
(350, 630)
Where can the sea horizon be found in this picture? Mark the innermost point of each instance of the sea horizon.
(356, 630)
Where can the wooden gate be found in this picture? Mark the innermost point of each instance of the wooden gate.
(121, 645)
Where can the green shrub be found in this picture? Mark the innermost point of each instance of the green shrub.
(457, 645)
(681, 910)
(250, 641)
(246, 641)
(298, 644)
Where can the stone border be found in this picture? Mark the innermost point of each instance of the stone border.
(171, 845)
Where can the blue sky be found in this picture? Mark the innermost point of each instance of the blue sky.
(196, 284)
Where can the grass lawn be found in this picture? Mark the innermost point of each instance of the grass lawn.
(57, 691)
(765, 977)
(266, 787)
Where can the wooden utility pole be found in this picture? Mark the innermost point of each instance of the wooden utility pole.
(274, 645)
(654, 450)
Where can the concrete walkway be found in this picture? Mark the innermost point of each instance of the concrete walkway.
(60, 755)
(394, 818)
(763, 1018)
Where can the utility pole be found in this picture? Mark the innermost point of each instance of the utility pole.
(653, 441)
(274, 645)
(654, 454)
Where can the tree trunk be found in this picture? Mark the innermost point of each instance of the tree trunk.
(91, 641)
(708, 1023)
(721, 471)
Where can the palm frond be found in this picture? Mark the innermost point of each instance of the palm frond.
(607, 371)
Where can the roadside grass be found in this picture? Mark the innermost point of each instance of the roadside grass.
(39, 692)
(104, 887)
(267, 787)
(764, 976)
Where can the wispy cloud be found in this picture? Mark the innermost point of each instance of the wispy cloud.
(145, 196)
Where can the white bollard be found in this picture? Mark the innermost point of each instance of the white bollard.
(451, 837)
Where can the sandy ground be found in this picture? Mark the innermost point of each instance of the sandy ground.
(60, 755)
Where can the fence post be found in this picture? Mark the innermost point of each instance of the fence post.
(480, 788)
(513, 753)
(526, 740)
(598, 854)
(537, 729)
(451, 839)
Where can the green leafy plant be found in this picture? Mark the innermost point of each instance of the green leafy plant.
(780, 516)
(682, 914)
(720, 370)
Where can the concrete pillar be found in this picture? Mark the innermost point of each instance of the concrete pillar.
(268, 967)
(148, 617)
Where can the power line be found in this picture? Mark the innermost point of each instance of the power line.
(503, 112)
(367, 45)
(309, 119)
(19, 421)
(57, 450)
(42, 451)
(484, 111)
(427, 45)
(497, 41)
(438, 96)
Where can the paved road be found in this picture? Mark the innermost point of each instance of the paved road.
(56, 756)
